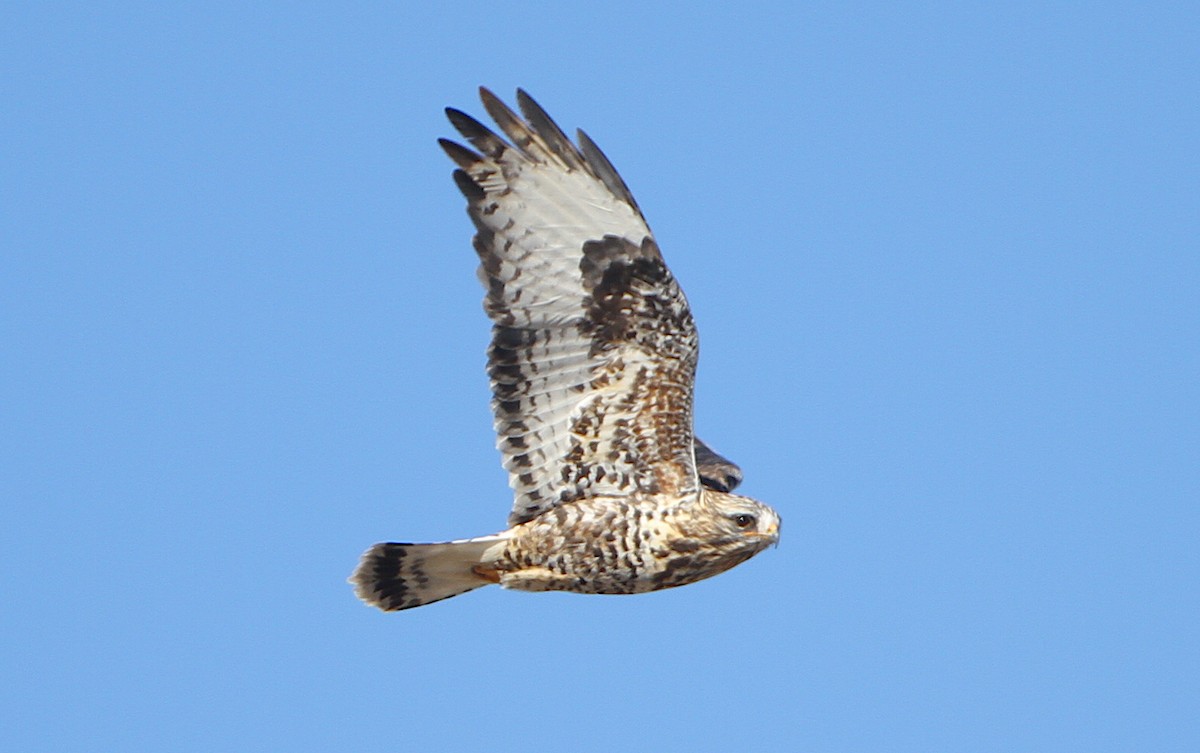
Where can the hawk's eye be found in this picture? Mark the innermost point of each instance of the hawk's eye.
(743, 520)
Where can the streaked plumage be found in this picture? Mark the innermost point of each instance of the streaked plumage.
(592, 363)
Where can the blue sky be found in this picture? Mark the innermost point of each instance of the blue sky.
(944, 259)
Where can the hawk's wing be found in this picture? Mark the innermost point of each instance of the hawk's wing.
(716, 471)
(593, 348)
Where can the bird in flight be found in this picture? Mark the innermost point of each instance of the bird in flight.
(592, 362)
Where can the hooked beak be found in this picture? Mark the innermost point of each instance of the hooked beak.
(771, 534)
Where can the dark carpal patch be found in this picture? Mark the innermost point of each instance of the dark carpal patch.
(599, 256)
(633, 298)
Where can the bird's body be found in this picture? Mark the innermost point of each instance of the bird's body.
(625, 545)
(604, 545)
(592, 364)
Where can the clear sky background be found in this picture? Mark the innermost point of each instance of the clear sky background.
(945, 260)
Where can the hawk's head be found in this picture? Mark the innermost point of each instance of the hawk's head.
(736, 521)
(720, 530)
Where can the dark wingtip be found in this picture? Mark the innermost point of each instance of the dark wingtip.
(603, 169)
(524, 100)
(480, 136)
(472, 190)
(462, 156)
(489, 99)
(551, 134)
(716, 471)
(464, 123)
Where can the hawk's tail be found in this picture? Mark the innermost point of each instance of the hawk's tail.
(402, 576)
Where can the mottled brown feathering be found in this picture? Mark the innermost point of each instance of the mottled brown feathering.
(592, 364)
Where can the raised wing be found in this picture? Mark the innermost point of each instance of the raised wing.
(593, 348)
